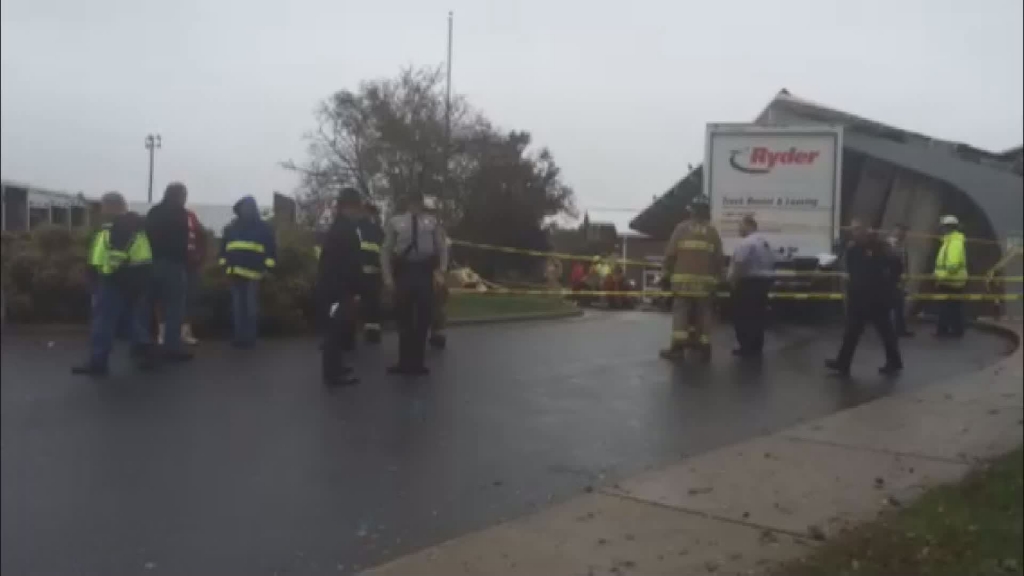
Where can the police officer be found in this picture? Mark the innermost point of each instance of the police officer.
(438, 339)
(414, 250)
(121, 259)
(339, 283)
(370, 237)
(872, 272)
(693, 263)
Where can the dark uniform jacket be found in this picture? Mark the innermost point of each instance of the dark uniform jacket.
(873, 271)
(339, 271)
(167, 229)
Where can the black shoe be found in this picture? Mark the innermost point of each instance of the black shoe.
(438, 341)
(408, 370)
(341, 380)
(674, 353)
(906, 334)
(90, 369)
(890, 370)
(838, 368)
(178, 356)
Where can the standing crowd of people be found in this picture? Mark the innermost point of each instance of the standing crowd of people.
(145, 279)
(876, 293)
(146, 268)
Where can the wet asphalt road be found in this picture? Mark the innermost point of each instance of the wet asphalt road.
(241, 462)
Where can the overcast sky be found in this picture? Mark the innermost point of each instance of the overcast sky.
(619, 91)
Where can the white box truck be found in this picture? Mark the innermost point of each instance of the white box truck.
(788, 178)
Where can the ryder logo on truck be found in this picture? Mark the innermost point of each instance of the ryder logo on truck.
(762, 160)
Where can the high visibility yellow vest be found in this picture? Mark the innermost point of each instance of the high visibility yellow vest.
(106, 260)
(951, 261)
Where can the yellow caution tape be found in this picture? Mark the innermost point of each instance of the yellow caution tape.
(725, 294)
(778, 273)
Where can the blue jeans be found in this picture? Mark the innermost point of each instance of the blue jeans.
(169, 287)
(245, 310)
(111, 304)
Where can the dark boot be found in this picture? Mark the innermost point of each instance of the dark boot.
(838, 368)
(438, 341)
(335, 373)
(90, 368)
(400, 370)
(675, 353)
(890, 369)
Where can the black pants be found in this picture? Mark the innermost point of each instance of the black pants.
(899, 311)
(750, 306)
(414, 310)
(858, 315)
(369, 303)
(339, 332)
(951, 312)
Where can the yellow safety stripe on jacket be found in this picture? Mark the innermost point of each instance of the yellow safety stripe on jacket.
(370, 246)
(680, 336)
(371, 269)
(245, 245)
(696, 245)
(98, 248)
(316, 252)
(270, 262)
(246, 273)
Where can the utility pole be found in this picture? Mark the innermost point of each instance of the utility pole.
(447, 112)
(153, 142)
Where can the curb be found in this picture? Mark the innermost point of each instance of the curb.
(745, 508)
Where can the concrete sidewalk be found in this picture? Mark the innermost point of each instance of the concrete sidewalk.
(742, 509)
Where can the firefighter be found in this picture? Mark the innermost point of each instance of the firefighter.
(248, 251)
(339, 284)
(951, 277)
(693, 262)
(370, 237)
(121, 259)
(415, 251)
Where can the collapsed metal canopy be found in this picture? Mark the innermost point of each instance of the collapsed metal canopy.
(998, 193)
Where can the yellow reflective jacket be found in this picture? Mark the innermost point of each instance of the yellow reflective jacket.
(951, 261)
(108, 259)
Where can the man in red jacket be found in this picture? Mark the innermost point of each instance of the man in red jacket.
(194, 271)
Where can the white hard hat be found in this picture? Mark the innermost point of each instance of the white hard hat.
(949, 220)
(430, 202)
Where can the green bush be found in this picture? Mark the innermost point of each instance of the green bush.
(45, 280)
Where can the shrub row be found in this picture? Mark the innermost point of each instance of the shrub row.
(45, 280)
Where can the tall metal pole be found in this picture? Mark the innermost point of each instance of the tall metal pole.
(153, 141)
(448, 85)
(447, 112)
